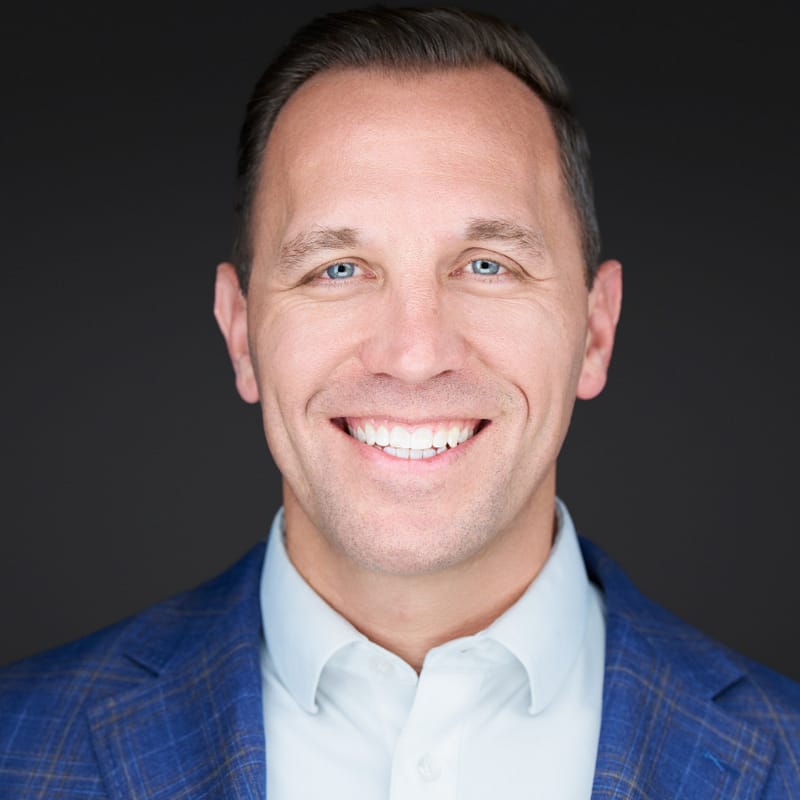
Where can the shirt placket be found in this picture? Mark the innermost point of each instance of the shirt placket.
(426, 760)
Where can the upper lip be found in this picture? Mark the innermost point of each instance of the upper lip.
(475, 423)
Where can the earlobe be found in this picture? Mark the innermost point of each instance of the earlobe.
(230, 311)
(605, 302)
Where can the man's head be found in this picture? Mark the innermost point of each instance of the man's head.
(412, 41)
(417, 323)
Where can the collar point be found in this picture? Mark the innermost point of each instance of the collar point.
(310, 707)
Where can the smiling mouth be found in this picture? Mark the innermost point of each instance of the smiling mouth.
(403, 441)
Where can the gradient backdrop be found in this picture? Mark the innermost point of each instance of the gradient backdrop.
(131, 469)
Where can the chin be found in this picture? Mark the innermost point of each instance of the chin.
(403, 544)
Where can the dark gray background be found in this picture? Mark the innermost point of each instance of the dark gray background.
(131, 470)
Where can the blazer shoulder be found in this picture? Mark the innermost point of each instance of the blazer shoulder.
(55, 707)
(54, 683)
(641, 634)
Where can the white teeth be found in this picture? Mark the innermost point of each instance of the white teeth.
(422, 438)
(439, 438)
(412, 453)
(452, 436)
(420, 443)
(399, 437)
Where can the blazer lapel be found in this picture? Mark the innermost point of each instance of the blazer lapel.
(659, 738)
(194, 726)
(662, 735)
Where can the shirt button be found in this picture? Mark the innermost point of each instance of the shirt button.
(428, 768)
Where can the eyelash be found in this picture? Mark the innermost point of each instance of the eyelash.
(501, 269)
(321, 277)
(335, 265)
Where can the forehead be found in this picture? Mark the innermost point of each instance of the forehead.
(480, 88)
(380, 138)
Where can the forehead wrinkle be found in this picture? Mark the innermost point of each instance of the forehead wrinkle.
(484, 229)
(307, 243)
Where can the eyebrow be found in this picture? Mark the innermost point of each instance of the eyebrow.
(529, 239)
(305, 244)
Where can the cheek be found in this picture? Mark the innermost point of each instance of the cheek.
(532, 343)
(298, 345)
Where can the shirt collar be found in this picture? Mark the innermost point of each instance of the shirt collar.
(543, 630)
(301, 631)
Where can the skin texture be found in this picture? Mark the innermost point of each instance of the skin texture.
(415, 553)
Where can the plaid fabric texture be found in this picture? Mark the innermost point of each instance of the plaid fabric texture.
(167, 704)
(683, 716)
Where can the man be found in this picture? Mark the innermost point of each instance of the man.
(416, 302)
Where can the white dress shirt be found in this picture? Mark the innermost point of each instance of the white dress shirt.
(510, 712)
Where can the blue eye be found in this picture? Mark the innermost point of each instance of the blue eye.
(343, 269)
(483, 266)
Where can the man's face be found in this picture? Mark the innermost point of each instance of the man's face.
(417, 282)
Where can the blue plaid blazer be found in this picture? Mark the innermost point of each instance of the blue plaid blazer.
(167, 706)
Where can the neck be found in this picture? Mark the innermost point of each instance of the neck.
(410, 614)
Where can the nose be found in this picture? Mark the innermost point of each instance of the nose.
(413, 336)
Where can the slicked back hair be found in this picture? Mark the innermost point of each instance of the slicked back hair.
(410, 40)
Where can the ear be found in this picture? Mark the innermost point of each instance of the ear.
(230, 311)
(605, 301)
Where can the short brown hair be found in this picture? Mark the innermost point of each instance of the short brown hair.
(408, 40)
